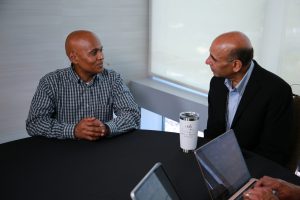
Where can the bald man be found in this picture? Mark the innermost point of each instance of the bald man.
(79, 101)
(252, 101)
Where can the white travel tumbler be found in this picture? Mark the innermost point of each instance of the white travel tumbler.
(189, 124)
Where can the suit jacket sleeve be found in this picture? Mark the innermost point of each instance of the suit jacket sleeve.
(217, 97)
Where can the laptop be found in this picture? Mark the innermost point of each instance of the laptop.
(155, 185)
(223, 167)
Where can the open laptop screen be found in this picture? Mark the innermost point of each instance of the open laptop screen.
(155, 185)
(222, 165)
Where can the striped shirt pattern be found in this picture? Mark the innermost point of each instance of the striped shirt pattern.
(62, 99)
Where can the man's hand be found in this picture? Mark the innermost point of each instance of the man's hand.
(283, 189)
(90, 129)
(260, 193)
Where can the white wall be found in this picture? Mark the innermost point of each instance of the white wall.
(32, 38)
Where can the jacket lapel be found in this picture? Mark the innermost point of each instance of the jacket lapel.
(251, 89)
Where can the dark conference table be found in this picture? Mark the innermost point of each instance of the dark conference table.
(42, 168)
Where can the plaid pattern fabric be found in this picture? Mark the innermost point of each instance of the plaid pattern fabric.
(62, 99)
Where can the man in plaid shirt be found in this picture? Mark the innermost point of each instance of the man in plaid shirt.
(85, 100)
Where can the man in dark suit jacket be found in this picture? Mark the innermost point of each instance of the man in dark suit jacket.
(252, 101)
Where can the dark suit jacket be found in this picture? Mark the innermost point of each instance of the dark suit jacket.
(262, 122)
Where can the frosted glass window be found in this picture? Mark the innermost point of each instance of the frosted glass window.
(290, 65)
(182, 31)
(151, 120)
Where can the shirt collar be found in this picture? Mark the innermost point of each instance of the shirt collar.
(242, 84)
(73, 74)
(76, 78)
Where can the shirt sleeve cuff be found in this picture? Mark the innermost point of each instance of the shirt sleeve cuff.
(69, 131)
(112, 127)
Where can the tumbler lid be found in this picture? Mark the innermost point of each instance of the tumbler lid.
(189, 116)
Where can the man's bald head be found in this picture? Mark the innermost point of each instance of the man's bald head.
(236, 45)
(76, 39)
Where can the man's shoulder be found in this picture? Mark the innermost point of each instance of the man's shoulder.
(57, 74)
(269, 78)
(270, 81)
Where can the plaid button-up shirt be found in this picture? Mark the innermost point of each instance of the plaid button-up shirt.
(62, 99)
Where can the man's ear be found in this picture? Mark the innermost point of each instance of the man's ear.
(73, 57)
(237, 65)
